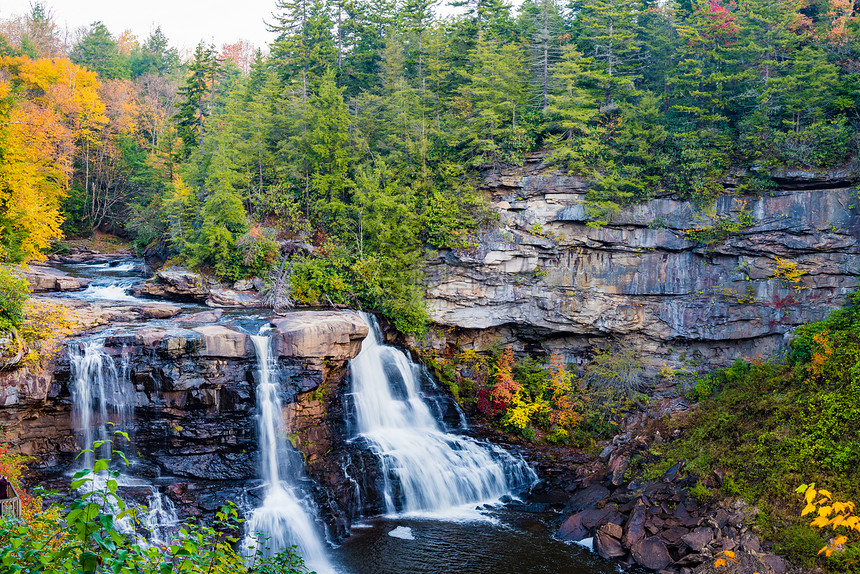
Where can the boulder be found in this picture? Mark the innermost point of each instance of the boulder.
(698, 538)
(634, 530)
(219, 341)
(202, 317)
(231, 298)
(244, 285)
(44, 279)
(579, 525)
(157, 310)
(607, 544)
(175, 283)
(586, 498)
(330, 334)
(651, 553)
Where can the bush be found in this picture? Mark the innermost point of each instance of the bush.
(14, 291)
(82, 539)
(701, 493)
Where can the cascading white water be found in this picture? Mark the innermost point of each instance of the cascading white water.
(284, 517)
(424, 468)
(100, 394)
(108, 290)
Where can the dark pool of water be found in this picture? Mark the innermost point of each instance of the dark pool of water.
(516, 544)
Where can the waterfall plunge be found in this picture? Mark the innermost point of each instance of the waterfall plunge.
(284, 517)
(425, 469)
(99, 393)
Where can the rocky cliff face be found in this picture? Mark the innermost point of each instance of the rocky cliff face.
(543, 277)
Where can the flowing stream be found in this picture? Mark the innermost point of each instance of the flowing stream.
(284, 518)
(425, 469)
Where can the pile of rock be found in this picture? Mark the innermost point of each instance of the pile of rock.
(660, 525)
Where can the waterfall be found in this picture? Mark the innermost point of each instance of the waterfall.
(423, 467)
(100, 394)
(284, 517)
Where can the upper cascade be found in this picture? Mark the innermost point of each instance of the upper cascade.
(425, 469)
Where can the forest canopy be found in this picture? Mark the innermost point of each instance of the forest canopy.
(350, 150)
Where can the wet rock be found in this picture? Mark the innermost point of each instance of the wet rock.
(586, 498)
(212, 316)
(333, 334)
(651, 553)
(231, 298)
(581, 524)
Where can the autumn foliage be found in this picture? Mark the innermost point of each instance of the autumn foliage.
(47, 107)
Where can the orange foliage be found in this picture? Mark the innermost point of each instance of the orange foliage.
(820, 357)
(840, 12)
(12, 467)
(505, 387)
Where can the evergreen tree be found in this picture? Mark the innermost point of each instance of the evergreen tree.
(610, 39)
(196, 96)
(489, 101)
(98, 51)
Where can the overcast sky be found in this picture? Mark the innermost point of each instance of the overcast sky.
(185, 22)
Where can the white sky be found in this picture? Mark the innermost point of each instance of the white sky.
(185, 22)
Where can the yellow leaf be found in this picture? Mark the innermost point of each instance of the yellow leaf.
(809, 509)
(820, 522)
(837, 520)
(810, 495)
(719, 563)
(838, 507)
(826, 493)
(822, 550)
(824, 510)
(841, 539)
(729, 553)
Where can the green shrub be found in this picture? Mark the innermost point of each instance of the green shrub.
(14, 291)
(800, 544)
(82, 538)
(701, 493)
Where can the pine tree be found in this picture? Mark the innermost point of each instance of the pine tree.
(196, 94)
(572, 109)
(98, 52)
(489, 101)
(610, 39)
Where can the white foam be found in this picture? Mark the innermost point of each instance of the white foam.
(402, 532)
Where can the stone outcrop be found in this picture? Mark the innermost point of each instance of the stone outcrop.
(544, 276)
(233, 298)
(334, 334)
(175, 283)
(43, 279)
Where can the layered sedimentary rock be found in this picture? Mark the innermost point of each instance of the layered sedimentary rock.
(543, 276)
(195, 407)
